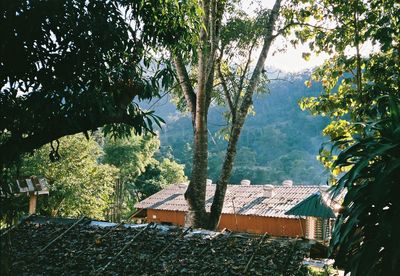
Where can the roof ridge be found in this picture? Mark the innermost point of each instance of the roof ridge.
(255, 185)
(278, 185)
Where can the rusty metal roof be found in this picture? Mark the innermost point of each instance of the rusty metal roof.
(239, 199)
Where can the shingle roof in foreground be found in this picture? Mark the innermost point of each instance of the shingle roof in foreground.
(239, 199)
(87, 250)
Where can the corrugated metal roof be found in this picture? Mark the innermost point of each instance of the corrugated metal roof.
(239, 199)
(313, 206)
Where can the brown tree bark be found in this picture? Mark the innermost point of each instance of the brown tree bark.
(196, 191)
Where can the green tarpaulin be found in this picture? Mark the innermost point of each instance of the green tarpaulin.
(312, 206)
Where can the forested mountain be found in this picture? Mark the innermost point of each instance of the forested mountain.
(279, 141)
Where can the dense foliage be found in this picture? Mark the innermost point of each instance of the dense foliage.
(93, 176)
(355, 83)
(361, 93)
(366, 240)
(78, 184)
(140, 172)
(72, 66)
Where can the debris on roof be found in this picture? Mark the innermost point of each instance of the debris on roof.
(91, 250)
(239, 199)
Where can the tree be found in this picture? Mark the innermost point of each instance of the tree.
(72, 66)
(361, 95)
(157, 176)
(198, 98)
(352, 82)
(78, 184)
(131, 155)
(140, 173)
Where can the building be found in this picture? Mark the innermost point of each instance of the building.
(247, 208)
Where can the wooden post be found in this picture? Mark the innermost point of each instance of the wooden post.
(32, 203)
(301, 228)
(234, 212)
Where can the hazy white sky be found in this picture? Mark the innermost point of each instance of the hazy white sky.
(291, 59)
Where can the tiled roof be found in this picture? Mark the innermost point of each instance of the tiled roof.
(239, 199)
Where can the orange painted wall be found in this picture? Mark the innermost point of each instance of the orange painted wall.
(159, 216)
(261, 225)
(240, 223)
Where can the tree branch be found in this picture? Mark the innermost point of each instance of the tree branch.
(186, 85)
(216, 12)
(301, 24)
(16, 146)
(53, 123)
(225, 89)
(268, 38)
(245, 71)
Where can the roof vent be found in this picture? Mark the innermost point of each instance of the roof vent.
(268, 190)
(245, 182)
(287, 183)
(182, 185)
(209, 181)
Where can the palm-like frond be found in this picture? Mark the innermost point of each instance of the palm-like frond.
(366, 238)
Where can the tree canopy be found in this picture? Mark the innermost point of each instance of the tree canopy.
(78, 183)
(72, 66)
(356, 85)
(140, 172)
(360, 95)
(87, 178)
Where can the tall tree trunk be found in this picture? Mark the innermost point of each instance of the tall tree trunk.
(196, 192)
(237, 126)
(199, 103)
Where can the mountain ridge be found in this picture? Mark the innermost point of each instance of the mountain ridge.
(279, 142)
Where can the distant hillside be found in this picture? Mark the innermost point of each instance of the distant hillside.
(279, 142)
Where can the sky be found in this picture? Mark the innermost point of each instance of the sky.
(291, 59)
